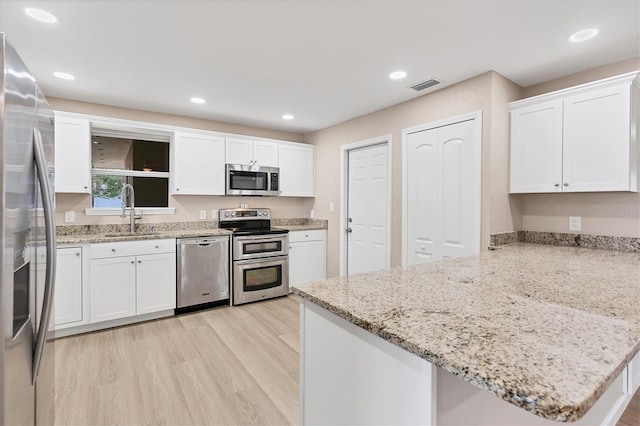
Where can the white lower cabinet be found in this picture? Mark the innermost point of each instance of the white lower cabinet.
(132, 278)
(113, 288)
(307, 256)
(155, 283)
(68, 287)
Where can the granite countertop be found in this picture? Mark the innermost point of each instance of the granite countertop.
(545, 328)
(106, 237)
(87, 234)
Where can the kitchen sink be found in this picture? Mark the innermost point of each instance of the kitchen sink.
(130, 234)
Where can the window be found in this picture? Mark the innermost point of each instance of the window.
(129, 159)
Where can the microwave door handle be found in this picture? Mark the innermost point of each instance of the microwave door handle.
(47, 204)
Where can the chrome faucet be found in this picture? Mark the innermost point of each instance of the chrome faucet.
(128, 188)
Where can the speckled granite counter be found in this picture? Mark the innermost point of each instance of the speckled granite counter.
(105, 237)
(87, 234)
(300, 224)
(544, 328)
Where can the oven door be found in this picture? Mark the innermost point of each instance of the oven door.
(260, 246)
(259, 279)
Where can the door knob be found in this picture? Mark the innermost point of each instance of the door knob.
(349, 230)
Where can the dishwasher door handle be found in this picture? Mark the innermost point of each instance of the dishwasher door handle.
(204, 244)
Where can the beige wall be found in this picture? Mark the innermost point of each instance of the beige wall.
(468, 96)
(598, 73)
(604, 213)
(187, 207)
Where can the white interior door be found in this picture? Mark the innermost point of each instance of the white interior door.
(422, 188)
(367, 209)
(443, 190)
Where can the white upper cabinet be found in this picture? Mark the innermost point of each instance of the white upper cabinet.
(296, 170)
(582, 139)
(198, 162)
(72, 154)
(249, 151)
(536, 158)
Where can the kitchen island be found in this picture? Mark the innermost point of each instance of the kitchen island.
(550, 330)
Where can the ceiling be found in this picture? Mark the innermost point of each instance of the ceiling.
(322, 61)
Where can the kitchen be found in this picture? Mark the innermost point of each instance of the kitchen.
(602, 213)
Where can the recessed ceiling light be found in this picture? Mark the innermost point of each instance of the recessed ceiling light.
(64, 75)
(287, 116)
(40, 15)
(397, 75)
(197, 100)
(583, 35)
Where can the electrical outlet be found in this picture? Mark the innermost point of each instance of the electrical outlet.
(331, 207)
(214, 214)
(203, 215)
(69, 216)
(312, 214)
(575, 223)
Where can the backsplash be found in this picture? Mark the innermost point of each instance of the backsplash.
(603, 242)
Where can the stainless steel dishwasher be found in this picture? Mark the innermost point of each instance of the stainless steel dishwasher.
(203, 271)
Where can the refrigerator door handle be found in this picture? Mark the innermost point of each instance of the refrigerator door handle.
(50, 232)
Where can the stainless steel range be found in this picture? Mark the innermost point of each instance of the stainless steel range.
(260, 255)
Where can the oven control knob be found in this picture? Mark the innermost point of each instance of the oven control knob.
(233, 215)
(226, 215)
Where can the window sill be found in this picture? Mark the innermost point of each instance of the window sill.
(144, 211)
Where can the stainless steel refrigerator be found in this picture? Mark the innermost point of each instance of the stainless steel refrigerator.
(28, 246)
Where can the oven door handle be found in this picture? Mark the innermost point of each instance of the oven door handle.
(265, 238)
(275, 260)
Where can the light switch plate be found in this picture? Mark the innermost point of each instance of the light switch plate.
(214, 214)
(312, 214)
(331, 207)
(575, 223)
(69, 216)
(203, 215)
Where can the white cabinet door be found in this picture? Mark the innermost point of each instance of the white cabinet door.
(296, 170)
(73, 154)
(307, 256)
(156, 283)
(249, 151)
(239, 151)
(68, 287)
(596, 140)
(198, 164)
(265, 153)
(536, 148)
(113, 288)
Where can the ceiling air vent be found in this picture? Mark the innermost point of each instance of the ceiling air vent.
(424, 84)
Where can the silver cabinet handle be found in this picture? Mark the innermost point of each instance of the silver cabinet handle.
(77, 253)
(556, 185)
(50, 232)
(139, 261)
(566, 184)
(113, 250)
(349, 230)
(132, 262)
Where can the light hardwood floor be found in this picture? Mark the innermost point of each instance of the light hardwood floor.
(221, 366)
(631, 416)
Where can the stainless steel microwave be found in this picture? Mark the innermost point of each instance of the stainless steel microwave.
(245, 179)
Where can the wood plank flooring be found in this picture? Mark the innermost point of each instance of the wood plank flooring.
(631, 416)
(221, 366)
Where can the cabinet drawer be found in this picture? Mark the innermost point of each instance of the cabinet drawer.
(132, 248)
(298, 236)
